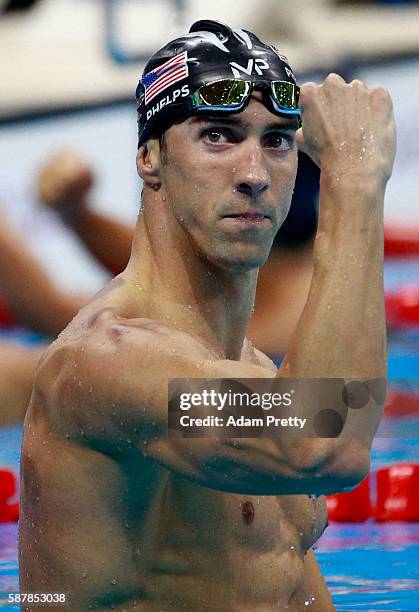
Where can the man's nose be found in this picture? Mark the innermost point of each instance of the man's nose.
(251, 175)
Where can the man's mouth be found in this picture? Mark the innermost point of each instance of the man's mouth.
(247, 217)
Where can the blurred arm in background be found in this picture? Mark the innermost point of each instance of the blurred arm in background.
(28, 290)
(64, 184)
(17, 370)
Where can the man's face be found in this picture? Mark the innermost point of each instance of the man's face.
(229, 182)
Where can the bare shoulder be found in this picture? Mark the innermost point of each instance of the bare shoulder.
(100, 355)
(106, 367)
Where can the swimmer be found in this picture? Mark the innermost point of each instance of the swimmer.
(116, 513)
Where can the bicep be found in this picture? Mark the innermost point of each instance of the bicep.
(122, 386)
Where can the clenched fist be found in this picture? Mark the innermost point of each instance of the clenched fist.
(64, 182)
(348, 129)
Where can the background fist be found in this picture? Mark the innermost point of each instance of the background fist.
(64, 181)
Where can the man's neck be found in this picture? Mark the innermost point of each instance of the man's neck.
(178, 287)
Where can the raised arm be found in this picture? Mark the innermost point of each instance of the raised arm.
(349, 132)
(342, 330)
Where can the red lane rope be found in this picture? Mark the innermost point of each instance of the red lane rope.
(402, 306)
(400, 403)
(401, 241)
(397, 497)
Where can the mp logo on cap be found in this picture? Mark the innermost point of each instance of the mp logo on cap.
(253, 65)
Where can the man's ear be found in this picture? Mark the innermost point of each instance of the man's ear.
(149, 163)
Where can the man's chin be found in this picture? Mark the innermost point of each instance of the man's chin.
(239, 262)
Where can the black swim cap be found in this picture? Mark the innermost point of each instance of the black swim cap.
(211, 51)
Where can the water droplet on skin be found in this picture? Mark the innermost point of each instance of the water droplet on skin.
(113, 581)
(292, 547)
(329, 306)
(84, 575)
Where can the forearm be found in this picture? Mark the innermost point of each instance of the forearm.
(108, 240)
(342, 330)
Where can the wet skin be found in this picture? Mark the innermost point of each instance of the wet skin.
(113, 513)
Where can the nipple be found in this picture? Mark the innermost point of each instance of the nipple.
(248, 512)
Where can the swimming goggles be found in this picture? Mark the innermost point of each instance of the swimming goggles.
(232, 95)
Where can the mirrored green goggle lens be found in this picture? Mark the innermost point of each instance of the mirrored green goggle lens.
(228, 92)
(286, 94)
(233, 92)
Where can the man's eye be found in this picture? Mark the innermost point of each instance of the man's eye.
(278, 141)
(216, 136)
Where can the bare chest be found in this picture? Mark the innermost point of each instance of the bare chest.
(258, 523)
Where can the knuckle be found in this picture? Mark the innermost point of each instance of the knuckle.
(357, 83)
(381, 91)
(334, 78)
(307, 92)
(381, 97)
(308, 87)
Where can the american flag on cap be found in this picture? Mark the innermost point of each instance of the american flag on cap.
(172, 71)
